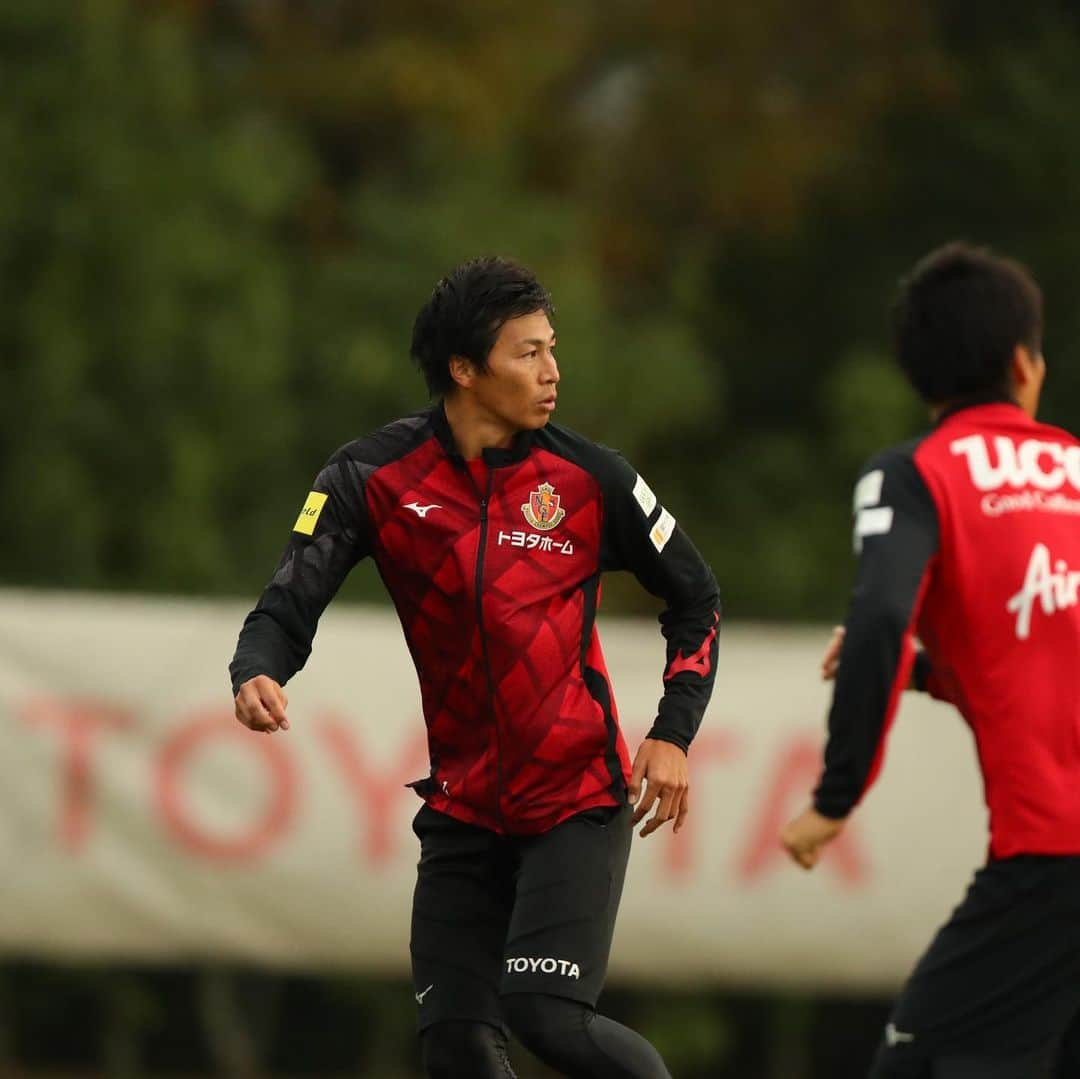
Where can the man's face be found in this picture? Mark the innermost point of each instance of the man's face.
(518, 389)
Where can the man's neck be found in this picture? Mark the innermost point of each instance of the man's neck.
(475, 430)
(940, 409)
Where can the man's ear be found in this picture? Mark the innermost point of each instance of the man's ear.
(1023, 368)
(1026, 373)
(462, 371)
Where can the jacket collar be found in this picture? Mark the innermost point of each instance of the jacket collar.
(493, 458)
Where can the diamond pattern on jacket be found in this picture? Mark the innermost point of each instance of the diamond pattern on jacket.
(543, 731)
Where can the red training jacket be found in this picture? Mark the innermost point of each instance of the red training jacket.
(970, 537)
(494, 567)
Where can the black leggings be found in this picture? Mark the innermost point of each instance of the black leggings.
(1036, 1064)
(564, 1034)
(573, 1039)
(464, 1050)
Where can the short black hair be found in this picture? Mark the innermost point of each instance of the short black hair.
(466, 311)
(958, 318)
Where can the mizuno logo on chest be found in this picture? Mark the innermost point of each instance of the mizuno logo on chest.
(419, 510)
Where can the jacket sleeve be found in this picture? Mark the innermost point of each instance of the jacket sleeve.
(641, 536)
(330, 536)
(925, 678)
(896, 539)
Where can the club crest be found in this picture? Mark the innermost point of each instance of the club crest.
(542, 510)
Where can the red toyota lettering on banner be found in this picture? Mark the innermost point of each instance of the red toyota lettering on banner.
(79, 723)
(376, 789)
(193, 736)
(797, 769)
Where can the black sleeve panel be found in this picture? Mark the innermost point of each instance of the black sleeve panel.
(896, 537)
(921, 672)
(276, 637)
(927, 679)
(642, 537)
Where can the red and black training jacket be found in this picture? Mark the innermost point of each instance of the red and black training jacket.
(494, 567)
(969, 539)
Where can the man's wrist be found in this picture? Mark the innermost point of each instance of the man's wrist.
(240, 677)
(833, 810)
(662, 734)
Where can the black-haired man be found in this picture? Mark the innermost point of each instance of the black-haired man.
(491, 527)
(968, 537)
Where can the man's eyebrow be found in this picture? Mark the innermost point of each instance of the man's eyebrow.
(536, 341)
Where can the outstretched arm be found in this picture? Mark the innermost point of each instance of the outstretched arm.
(896, 537)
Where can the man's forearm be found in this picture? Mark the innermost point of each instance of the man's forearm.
(265, 648)
(692, 637)
(875, 667)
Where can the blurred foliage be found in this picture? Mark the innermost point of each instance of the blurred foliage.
(219, 217)
(219, 220)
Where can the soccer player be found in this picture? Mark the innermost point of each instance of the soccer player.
(969, 538)
(490, 527)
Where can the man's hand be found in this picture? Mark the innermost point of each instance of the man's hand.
(806, 836)
(261, 704)
(831, 660)
(663, 767)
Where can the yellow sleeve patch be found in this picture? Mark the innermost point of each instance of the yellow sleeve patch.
(310, 513)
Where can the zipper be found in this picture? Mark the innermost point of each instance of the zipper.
(485, 497)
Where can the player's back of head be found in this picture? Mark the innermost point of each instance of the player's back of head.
(957, 320)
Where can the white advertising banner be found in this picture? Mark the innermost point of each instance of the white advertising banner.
(139, 820)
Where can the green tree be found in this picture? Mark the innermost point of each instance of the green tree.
(145, 307)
